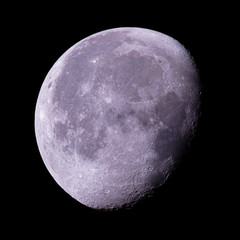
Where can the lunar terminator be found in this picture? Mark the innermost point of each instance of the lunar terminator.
(115, 113)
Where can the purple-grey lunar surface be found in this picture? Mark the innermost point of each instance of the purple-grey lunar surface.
(115, 113)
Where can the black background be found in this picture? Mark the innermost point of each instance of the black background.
(194, 200)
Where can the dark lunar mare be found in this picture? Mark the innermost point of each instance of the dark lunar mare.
(168, 142)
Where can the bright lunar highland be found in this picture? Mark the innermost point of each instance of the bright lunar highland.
(115, 114)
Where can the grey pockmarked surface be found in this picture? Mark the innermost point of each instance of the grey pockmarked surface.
(115, 113)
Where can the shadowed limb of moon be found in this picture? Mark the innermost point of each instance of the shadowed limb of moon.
(115, 113)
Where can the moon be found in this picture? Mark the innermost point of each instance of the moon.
(115, 113)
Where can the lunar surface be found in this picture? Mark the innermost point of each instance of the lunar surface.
(115, 113)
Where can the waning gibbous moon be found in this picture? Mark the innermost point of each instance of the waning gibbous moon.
(115, 113)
